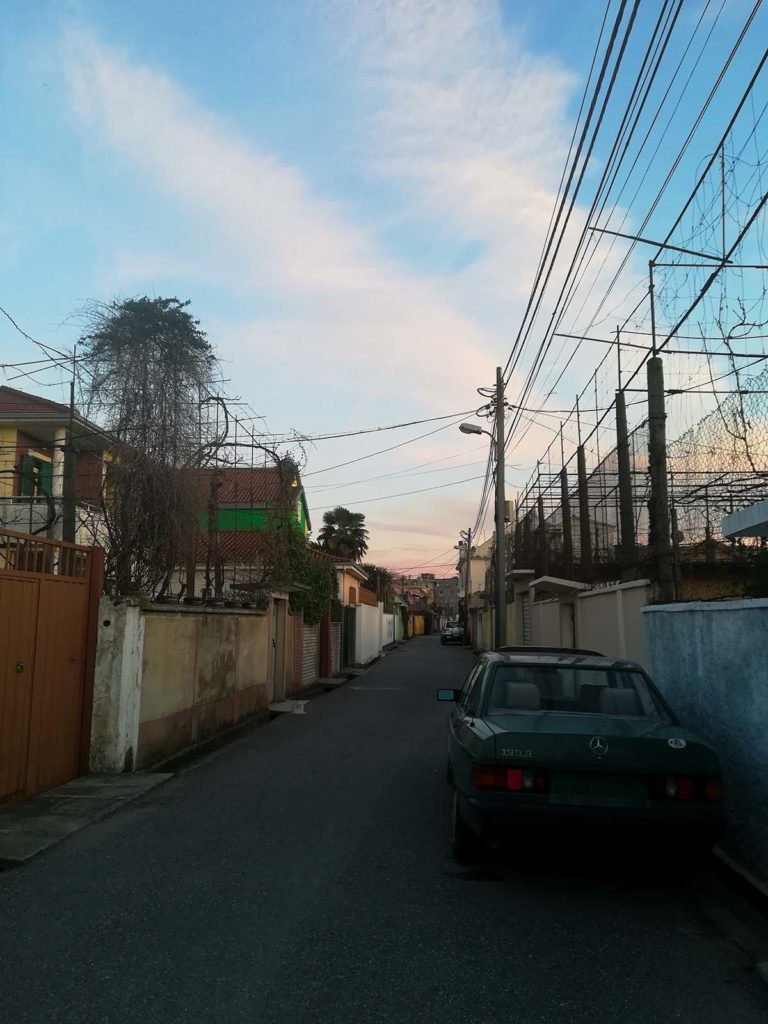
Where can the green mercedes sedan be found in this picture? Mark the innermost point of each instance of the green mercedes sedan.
(575, 742)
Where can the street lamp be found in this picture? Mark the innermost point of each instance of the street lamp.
(500, 632)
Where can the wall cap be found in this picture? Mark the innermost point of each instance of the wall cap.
(749, 604)
(191, 609)
(631, 585)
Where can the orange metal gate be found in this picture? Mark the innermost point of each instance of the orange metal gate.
(49, 592)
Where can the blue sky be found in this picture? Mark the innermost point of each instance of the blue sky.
(352, 193)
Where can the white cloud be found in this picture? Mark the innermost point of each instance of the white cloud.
(461, 116)
(346, 300)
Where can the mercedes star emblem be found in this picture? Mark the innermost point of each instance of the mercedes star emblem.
(598, 746)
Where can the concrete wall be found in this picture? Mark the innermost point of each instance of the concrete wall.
(610, 620)
(545, 623)
(167, 678)
(117, 687)
(399, 627)
(711, 660)
(367, 634)
(201, 673)
(387, 629)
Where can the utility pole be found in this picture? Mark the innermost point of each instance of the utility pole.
(68, 484)
(626, 510)
(467, 583)
(658, 504)
(585, 537)
(501, 538)
(565, 504)
(543, 546)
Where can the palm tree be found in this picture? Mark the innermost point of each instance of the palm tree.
(343, 534)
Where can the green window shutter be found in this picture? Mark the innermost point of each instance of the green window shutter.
(27, 463)
(46, 477)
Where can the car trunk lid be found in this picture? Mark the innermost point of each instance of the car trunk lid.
(579, 747)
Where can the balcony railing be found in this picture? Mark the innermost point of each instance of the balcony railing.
(29, 515)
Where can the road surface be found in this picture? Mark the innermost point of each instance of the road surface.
(303, 874)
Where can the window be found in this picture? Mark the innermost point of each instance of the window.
(472, 688)
(36, 477)
(571, 690)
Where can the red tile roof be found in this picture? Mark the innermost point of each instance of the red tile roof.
(241, 485)
(13, 402)
(236, 547)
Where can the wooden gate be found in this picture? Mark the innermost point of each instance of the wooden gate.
(49, 593)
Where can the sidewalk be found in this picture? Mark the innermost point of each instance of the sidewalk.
(29, 828)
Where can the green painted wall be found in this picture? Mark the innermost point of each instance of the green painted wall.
(249, 518)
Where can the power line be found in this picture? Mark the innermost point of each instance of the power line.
(286, 438)
(382, 451)
(401, 494)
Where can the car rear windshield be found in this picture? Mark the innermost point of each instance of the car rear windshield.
(571, 690)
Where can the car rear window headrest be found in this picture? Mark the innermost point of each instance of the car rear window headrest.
(619, 702)
(591, 695)
(519, 696)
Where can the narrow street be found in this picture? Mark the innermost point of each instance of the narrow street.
(303, 874)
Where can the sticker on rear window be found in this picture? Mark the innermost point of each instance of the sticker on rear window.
(676, 743)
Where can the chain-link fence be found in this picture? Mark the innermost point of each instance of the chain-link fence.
(569, 524)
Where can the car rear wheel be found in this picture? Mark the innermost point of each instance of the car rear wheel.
(466, 847)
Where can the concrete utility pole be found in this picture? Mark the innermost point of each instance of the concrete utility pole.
(498, 441)
(501, 505)
(543, 547)
(626, 511)
(467, 583)
(585, 537)
(68, 524)
(565, 505)
(658, 504)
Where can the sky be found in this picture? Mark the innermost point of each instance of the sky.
(352, 194)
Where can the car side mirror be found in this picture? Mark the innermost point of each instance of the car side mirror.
(451, 695)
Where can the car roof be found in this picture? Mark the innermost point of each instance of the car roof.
(534, 649)
(565, 659)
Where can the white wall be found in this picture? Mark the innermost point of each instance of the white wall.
(711, 660)
(545, 623)
(610, 620)
(387, 629)
(367, 633)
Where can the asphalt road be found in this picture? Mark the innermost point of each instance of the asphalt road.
(303, 874)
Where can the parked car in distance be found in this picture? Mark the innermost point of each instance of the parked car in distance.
(540, 743)
(452, 632)
(529, 649)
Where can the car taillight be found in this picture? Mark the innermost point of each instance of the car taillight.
(713, 790)
(485, 776)
(513, 780)
(684, 787)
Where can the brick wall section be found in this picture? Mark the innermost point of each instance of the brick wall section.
(311, 658)
(298, 641)
(335, 647)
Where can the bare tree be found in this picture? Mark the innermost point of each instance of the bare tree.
(147, 377)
